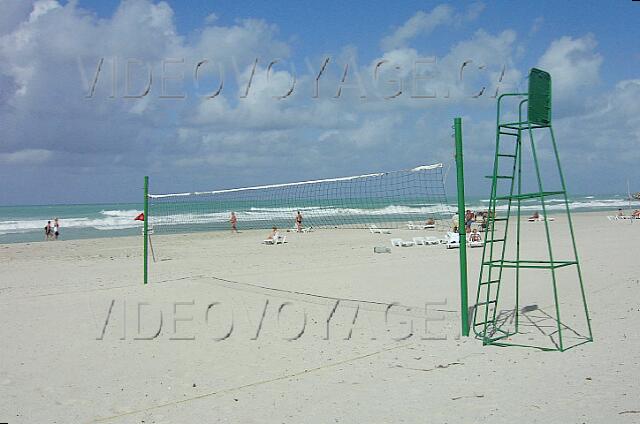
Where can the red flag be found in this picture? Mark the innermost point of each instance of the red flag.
(139, 217)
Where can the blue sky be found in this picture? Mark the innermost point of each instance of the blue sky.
(58, 146)
(337, 23)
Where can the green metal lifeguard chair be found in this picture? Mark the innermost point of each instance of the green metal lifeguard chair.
(507, 262)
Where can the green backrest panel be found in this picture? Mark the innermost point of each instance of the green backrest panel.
(539, 107)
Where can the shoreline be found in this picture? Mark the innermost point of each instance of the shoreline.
(94, 234)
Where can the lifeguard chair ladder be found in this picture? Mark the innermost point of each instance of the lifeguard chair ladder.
(486, 323)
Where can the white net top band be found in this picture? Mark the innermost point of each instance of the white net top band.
(326, 180)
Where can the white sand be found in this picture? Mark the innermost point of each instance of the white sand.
(55, 298)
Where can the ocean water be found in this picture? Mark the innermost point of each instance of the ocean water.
(26, 223)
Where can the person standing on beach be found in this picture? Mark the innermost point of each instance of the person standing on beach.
(299, 222)
(234, 222)
(56, 229)
(47, 231)
(469, 218)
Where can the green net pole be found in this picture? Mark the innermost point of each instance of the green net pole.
(145, 230)
(464, 301)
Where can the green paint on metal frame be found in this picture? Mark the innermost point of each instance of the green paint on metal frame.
(539, 107)
(464, 301)
(493, 262)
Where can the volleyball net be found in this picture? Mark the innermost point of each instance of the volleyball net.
(409, 198)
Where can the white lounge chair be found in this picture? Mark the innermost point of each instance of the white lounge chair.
(620, 217)
(277, 239)
(419, 241)
(429, 241)
(375, 230)
(396, 242)
(452, 240)
(540, 219)
(470, 243)
(302, 230)
(412, 226)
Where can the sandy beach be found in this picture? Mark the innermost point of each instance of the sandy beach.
(317, 330)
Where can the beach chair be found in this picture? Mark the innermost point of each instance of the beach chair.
(452, 240)
(430, 241)
(470, 243)
(540, 219)
(412, 226)
(375, 230)
(419, 241)
(302, 230)
(277, 239)
(396, 242)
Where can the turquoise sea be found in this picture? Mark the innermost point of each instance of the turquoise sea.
(26, 223)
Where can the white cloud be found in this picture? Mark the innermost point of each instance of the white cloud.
(43, 97)
(420, 23)
(13, 13)
(233, 140)
(536, 25)
(41, 8)
(424, 23)
(211, 18)
(574, 65)
(239, 44)
(474, 10)
(483, 63)
(26, 157)
(608, 134)
(261, 108)
(40, 74)
(372, 131)
(487, 55)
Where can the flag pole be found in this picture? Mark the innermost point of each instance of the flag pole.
(145, 230)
